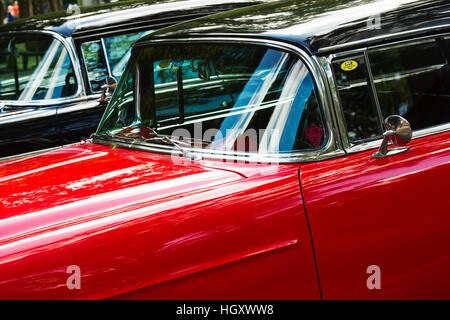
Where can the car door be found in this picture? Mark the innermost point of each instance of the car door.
(26, 129)
(36, 76)
(381, 227)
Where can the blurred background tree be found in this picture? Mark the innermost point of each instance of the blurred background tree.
(30, 8)
(2, 11)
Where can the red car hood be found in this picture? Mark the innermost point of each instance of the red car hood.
(75, 182)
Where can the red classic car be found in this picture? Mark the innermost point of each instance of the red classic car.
(292, 150)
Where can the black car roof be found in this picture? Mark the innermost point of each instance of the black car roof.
(319, 25)
(114, 15)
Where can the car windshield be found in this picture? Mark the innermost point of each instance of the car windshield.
(34, 67)
(244, 98)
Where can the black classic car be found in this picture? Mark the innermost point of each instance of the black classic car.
(53, 68)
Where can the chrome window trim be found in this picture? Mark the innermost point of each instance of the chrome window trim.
(331, 147)
(67, 43)
(105, 54)
(341, 126)
(326, 64)
(330, 103)
(374, 144)
(387, 37)
(31, 112)
(51, 102)
(221, 155)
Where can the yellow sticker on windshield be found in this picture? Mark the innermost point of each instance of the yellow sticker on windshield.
(349, 65)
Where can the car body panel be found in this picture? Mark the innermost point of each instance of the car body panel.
(390, 212)
(27, 128)
(132, 220)
(77, 119)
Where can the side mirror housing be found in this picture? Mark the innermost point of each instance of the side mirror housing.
(399, 132)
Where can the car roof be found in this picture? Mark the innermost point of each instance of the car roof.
(92, 19)
(319, 25)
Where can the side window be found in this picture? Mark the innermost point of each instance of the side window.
(95, 64)
(413, 81)
(118, 50)
(35, 67)
(358, 106)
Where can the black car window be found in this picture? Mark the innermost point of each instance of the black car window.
(360, 111)
(95, 63)
(35, 67)
(412, 80)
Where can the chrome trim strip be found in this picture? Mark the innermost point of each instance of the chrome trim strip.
(330, 101)
(67, 43)
(430, 131)
(325, 63)
(386, 37)
(105, 55)
(87, 105)
(77, 65)
(53, 104)
(221, 155)
(416, 135)
(27, 113)
(329, 150)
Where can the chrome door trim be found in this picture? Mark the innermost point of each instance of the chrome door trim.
(35, 112)
(84, 105)
(332, 147)
(374, 144)
(27, 114)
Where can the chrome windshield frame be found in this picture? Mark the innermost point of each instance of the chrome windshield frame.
(79, 95)
(331, 147)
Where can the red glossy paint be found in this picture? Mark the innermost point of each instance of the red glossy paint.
(391, 212)
(140, 225)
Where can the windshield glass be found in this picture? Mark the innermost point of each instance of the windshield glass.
(218, 97)
(34, 67)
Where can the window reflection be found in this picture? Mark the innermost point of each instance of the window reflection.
(241, 98)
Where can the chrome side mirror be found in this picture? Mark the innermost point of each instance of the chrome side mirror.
(399, 132)
(108, 89)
